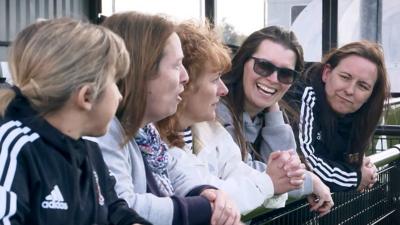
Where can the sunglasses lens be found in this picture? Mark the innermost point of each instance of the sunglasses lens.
(263, 68)
(286, 76)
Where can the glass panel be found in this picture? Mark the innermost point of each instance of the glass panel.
(305, 19)
(348, 21)
(391, 40)
(236, 19)
(177, 9)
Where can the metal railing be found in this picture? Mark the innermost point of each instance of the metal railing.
(385, 137)
(378, 205)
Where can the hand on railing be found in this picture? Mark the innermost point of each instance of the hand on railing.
(286, 171)
(320, 200)
(224, 211)
(369, 174)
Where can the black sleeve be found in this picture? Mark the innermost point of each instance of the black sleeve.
(337, 175)
(119, 212)
(192, 209)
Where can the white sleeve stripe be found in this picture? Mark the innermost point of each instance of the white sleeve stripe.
(13, 207)
(6, 126)
(334, 181)
(306, 121)
(10, 137)
(5, 143)
(14, 136)
(3, 195)
(317, 166)
(13, 157)
(307, 143)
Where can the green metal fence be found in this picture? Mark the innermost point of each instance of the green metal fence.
(378, 205)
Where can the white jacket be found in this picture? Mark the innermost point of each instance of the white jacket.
(218, 160)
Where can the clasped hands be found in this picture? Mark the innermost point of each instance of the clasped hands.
(286, 171)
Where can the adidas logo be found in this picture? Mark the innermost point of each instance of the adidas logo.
(55, 200)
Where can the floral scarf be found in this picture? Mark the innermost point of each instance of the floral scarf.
(154, 151)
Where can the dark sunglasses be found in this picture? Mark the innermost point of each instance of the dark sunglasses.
(265, 68)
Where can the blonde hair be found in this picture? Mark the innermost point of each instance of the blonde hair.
(51, 59)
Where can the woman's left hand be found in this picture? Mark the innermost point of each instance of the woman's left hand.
(320, 200)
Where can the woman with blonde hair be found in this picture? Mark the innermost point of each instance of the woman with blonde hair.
(64, 72)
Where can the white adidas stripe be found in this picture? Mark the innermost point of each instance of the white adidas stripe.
(324, 170)
(8, 140)
(3, 154)
(10, 171)
(13, 157)
(308, 133)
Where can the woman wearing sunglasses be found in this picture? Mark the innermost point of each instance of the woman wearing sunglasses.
(196, 138)
(263, 69)
(341, 103)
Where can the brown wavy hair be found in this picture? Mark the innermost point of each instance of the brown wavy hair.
(202, 49)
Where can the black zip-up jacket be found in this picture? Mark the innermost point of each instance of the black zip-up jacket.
(327, 161)
(47, 177)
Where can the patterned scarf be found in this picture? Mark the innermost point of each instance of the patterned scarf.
(154, 151)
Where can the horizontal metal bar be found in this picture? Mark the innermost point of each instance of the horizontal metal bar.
(386, 157)
(384, 217)
(394, 100)
(5, 43)
(392, 130)
(395, 94)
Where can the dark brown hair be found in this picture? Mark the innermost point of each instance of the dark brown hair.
(367, 117)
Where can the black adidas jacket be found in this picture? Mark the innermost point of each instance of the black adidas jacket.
(49, 178)
(327, 161)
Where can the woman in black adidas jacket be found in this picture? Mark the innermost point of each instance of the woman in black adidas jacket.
(64, 73)
(340, 104)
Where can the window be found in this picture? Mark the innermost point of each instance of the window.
(177, 9)
(391, 40)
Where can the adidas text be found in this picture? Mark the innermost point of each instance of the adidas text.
(54, 205)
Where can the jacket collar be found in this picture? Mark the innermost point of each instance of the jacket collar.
(20, 109)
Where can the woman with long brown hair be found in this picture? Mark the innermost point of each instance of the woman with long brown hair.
(340, 102)
(263, 69)
(148, 177)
